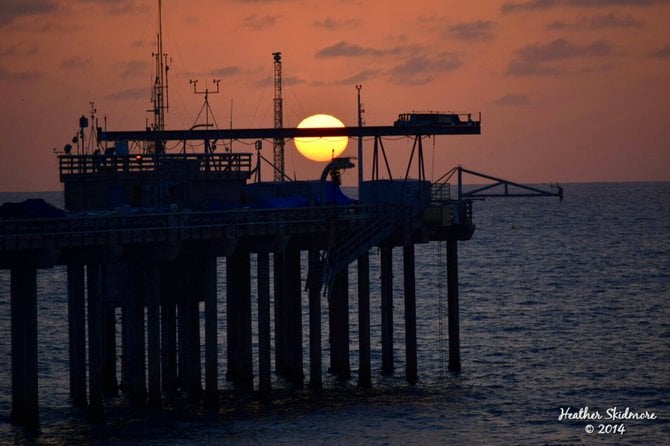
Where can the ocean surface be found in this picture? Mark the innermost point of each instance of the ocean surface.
(565, 314)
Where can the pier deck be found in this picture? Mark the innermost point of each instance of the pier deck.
(164, 264)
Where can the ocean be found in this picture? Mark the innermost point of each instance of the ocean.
(565, 339)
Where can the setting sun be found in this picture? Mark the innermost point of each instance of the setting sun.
(321, 149)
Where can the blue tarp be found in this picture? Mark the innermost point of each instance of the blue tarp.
(333, 195)
(282, 202)
(334, 191)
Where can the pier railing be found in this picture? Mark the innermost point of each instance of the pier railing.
(171, 166)
(110, 228)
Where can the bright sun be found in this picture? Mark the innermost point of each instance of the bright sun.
(321, 149)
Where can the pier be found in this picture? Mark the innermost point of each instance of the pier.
(159, 267)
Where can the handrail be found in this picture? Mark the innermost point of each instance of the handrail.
(35, 232)
(177, 164)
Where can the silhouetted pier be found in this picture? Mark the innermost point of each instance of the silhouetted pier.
(132, 241)
(158, 267)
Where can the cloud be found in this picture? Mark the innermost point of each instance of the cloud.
(118, 7)
(561, 49)
(334, 24)
(513, 100)
(134, 68)
(293, 80)
(129, 93)
(260, 21)
(76, 63)
(525, 68)
(533, 59)
(597, 22)
(361, 77)
(534, 5)
(19, 76)
(346, 49)
(19, 49)
(422, 69)
(479, 30)
(661, 53)
(528, 6)
(11, 10)
(228, 71)
(608, 3)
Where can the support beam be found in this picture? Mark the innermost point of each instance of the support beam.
(168, 328)
(452, 306)
(293, 317)
(123, 385)
(279, 304)
(339, 326)
(264, 344)
(76, 302)
(411, 373)
(364, 368)
(192, 380)
(208, 283)
(136, 387)
(387, 310)
(314, 290)
(109, 381)
(96, 411)
(153, 295)
(24, 346)
(238, 303)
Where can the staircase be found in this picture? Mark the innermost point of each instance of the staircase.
(345, 250)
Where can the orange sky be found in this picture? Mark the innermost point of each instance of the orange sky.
(569, 90)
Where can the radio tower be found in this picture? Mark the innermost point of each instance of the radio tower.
(159, 94)
(279, 121)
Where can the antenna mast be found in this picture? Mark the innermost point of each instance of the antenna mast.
(159, 94)
(279, 121)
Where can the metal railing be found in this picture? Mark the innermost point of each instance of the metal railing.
(440, 192)
(117, 228)
(178, 165)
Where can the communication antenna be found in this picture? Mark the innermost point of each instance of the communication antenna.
(206, 108)
(159, 93)
(92, 136)
(360, 138)
(279, 120)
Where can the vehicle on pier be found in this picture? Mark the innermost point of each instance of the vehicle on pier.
(431, 119)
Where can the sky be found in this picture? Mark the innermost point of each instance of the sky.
(568, 90)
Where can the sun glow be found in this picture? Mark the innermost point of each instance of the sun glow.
(321, 148)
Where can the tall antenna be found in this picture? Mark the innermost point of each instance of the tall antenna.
(360, 139)
(209, 148)
(279, 121)
(159, 94)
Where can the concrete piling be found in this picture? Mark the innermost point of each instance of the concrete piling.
(452, 306)
(208, 284)
(153, 297)
(314, 290)
(411, 373)
(264, 341)
(387, 310)
(339, 326)
(364, 368)
(77, 332)
(24, 346)
(238, 304)
(293, 317)
(96, 411)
